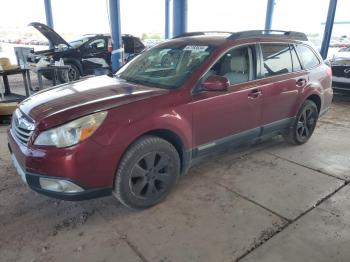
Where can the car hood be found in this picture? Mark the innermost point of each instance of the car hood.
(49, 33)
(60, 104)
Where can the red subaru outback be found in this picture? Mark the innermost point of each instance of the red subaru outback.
(135, 132)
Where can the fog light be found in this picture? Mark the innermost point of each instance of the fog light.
(57, 185)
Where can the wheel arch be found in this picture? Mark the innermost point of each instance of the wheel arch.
(317, 100)
(76, 62)
(170, 136)
(174, 139)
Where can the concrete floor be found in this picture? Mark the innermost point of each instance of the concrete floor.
(271, 202)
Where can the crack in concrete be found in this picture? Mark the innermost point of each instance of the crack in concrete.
(135, 249)
(125, 239)
(292, 221)
(253, 201)
(320, 171)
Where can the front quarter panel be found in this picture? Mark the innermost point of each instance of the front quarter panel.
(127, 123)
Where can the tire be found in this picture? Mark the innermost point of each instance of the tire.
(147, 172)
(304, 124)
(73, 74)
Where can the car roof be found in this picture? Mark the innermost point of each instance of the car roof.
(107, 35)
(203, 39)
(218, 38)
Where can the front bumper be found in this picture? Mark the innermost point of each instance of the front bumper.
(33, 181)
(341, 78)
(21, 155)
(341, 87)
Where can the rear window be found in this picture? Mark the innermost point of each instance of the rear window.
(307, 57)
(276, 59)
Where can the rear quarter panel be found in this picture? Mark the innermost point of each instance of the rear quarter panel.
(320, 84)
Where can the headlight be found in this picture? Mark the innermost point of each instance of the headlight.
(71, 133)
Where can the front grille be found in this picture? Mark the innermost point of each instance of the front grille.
(341, 71)
(22, 128)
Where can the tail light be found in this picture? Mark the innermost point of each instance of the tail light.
(329, 71)
(110, 46)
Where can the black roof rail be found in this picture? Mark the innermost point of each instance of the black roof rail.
(269, 33)
(202, 33)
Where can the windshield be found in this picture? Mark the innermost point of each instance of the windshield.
(79, 42)
(166, 66)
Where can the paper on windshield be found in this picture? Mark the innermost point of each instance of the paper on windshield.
(195, 48)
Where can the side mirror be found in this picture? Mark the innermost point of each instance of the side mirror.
(216, 83)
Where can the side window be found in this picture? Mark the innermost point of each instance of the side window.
(307, 56)
(277, 59)
(99, 44)
(236, 65)
(295, 60)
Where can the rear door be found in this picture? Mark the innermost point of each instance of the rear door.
(282, 81)
(232, 116)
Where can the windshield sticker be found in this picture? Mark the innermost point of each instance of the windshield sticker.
(195, 48)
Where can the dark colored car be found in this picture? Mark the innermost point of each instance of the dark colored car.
(135, 132)
(84, 55)
(341, 71)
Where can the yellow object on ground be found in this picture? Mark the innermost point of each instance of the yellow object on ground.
(6, 109)
(5, 64)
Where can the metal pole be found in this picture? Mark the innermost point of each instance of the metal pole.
(167, 19)
(49, 19)
(269, 14)
(328, 28)
(179, 17)
(114, 16)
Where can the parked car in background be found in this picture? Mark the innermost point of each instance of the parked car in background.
(83, 55)
(135, 132)
(340, 63)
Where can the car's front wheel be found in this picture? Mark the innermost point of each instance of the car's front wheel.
(304, 124)
(147, 172)
(73, 74)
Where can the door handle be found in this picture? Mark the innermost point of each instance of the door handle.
(301, 82)
(255, 93)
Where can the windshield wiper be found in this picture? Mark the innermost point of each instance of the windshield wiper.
(136, 81)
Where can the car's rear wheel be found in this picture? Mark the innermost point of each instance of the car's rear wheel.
(304, 124)
(73, 74)
(147, 172)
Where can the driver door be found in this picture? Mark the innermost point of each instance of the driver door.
(95, 55)
(229, 117)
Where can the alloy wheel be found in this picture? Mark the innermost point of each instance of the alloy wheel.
(306, 124)
(150, 176)
(72, 74)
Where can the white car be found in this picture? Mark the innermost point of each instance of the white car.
(340, 63)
